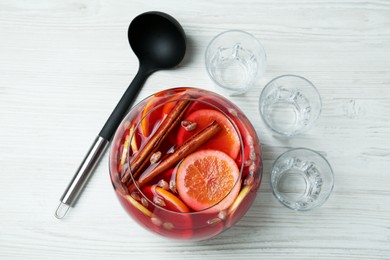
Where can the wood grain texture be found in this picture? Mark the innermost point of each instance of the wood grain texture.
(65, 64)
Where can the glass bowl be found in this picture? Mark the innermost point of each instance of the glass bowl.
(185, 163)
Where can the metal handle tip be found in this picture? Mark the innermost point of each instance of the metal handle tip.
(62, 210)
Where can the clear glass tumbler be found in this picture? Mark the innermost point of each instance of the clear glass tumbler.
(301, 179)
(290, 104)
(235, 61)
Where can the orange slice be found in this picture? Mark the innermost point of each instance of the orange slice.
(139, 206)
(172, 202)
(167, 107)
(155, 112)
(164, 199)
(241, 205)
(226, 140)
(129, 142)
(205, 178)
(148, 123)
(245, 191)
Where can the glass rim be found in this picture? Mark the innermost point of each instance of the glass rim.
(236, 31)
(318, 155)
(241, 168)
(300, 130)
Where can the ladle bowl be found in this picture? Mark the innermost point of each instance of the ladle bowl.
(157, 39)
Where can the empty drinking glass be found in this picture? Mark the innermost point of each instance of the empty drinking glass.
(235, 60)
(290, 104)
(301, 179)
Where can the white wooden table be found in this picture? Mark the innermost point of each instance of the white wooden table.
(65, 64)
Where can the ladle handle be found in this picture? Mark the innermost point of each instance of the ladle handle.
(81, 176)
(124, 104)
(97, 149)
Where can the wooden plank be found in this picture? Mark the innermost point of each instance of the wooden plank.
(65, 64)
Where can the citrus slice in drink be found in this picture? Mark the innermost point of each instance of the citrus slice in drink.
(164, 199)
(240, 205)
(206, 180)
(168, 105)
(130, 142)
(154, 112)
(152, 116)
(227, 140)
(138, 206)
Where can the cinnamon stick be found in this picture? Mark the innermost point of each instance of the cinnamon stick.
(188, 147)
(173, 118)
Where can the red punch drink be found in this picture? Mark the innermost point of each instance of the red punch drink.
(186, 163)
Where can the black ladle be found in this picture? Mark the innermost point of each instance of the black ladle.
(159, 42)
